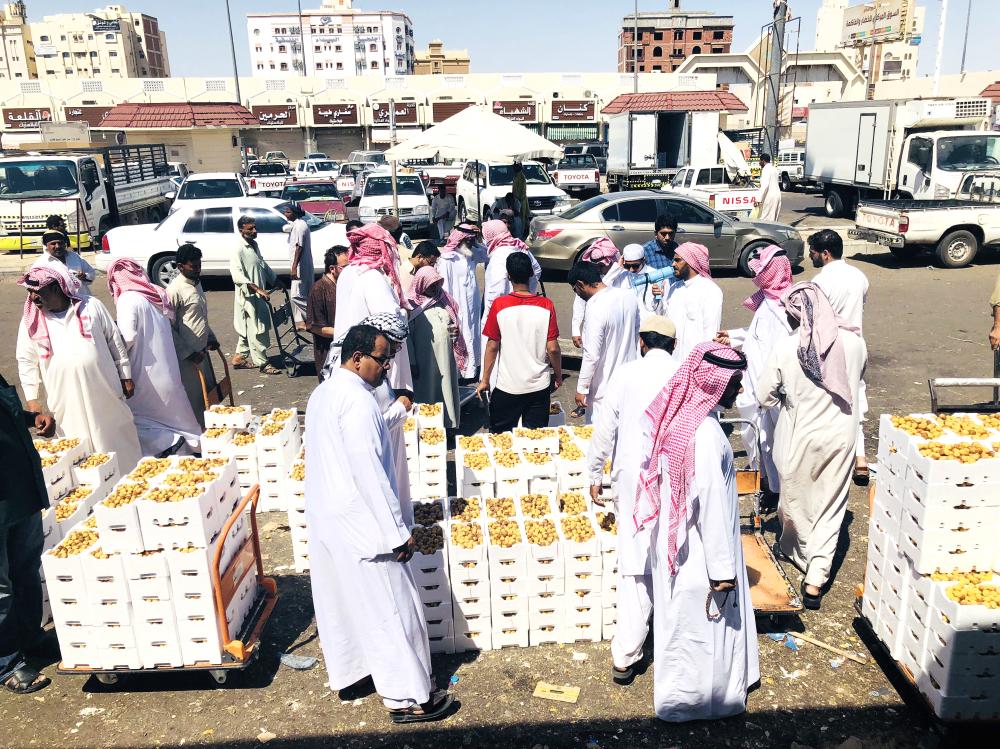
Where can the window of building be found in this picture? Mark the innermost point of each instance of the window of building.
(717, 50)
(696, 50)
(374, 65)
(256, 32)
(718, 34)
(109, 37)
(62, 38)
(260, 66)
(281, 48)
(696, 35)
(317, 48)
(43, 38)
(338, 48)
(272, 66)
(372, 48)
(657, 36)
(113, 53)
(642, 68)
(115, 71)
(340, 66)
(678, 52)
(96, 71)
(657, 68)
(284, 66)
(93, 54)
(69, 72)
(90, 37)
(319, 66)
(80, 54)
(678, 36)
(657, 52)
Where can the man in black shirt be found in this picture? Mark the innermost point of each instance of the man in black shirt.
(21, 502)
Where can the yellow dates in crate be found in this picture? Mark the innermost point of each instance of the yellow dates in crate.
(75, 542)
(502, 441)
(501, 507)
(466, 535)
(465, 510)
(505, 533)
(577, 528)
(917, 427)
(94, 460)
(472, 442)
(535, 505)
(964, 452)
(477, 461)
(572, 503)
(432, 436)
(540, 532)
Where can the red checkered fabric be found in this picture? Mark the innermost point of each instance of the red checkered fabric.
(772, 275)
(373, 247)
(34, 318)
(127, 275)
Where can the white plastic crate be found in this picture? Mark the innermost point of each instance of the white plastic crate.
(536, 440)
(118, 527)
(426, 418)
(105, 578)
(547, 610)
(78, 646)
(947, 551)
(193, 521)
(472, 633)
(506, 635)
(511, 487)
(102, 476)
(239, 418)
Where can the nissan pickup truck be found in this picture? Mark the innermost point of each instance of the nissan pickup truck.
(953, 229)
(578, 174)
(713, 186)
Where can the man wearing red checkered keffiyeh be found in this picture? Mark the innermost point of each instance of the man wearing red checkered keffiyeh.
(372, 247)
(693, 300)
(705, 642)
(127, 275)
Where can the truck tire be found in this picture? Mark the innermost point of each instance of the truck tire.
(833, 204)
(163, 269)
(743, 262)
(785, 183)
(957, 249)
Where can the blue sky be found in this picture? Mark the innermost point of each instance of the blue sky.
(519, 35)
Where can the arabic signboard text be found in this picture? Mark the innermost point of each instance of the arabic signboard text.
(516, 111)
(873, 22)
(91, 115)
(335, 114)
(564, 110)
(276, 114)
(406, 113)
(106, 24)
(25, 118)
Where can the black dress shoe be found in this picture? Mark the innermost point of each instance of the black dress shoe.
(811, 602)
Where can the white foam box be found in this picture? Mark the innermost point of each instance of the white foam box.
(894, 447)
(467, 475)
(277, 450)
(151, 611)
(511, 487)
(66, 584)
(540, 465)
(889, 627)
(557, 417)
(107, 610)
(965, 617)
(887, 509)
(78, 645)
(430, 569)
(911, 648)
(444, 645)
(536, 440)
(949, 649)
(215, 440)
(609, 614)
(573, 482)
(175, 524)
(410, 431)
(295, 490)
(199, 647)
(948, 480)
(517, 471)
(546, 610)
(427, 420)
(583, 630)
(241, 603)
(105, 578)
(237, 420)
(118, 527)
(471, 598)
(581, 557)
(946, 551)
(78, 513)
(158, 643)
(300, 558)
(507, 562)
(58, 477)
(585, 593)
(427, 449)
(546, 485)
(99, 476)
(472, 632)
(546, 634)
(871, 599)
(148, 575)
(506, 635)
(609, 590)
(51, 532)
(981, 706)
(430, 485)
(412, 451)
(439, 618)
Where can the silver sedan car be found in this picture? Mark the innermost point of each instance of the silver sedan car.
(628, 217)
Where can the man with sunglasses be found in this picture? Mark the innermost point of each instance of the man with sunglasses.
(368, 609)
(646, 282)
(660, 249)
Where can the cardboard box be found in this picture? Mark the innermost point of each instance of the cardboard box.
(176, 524)
(99, 477)
(238, 420)
(118, 528)
(426, 419)
(105, 578)
(78, 646)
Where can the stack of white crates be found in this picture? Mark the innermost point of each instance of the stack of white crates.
(279, 439)
(931, 593)
(429, 566)
(295, 499)
(131, 586)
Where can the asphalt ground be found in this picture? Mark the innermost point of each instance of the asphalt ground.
(920, 322)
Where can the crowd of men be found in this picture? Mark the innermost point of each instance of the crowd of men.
(395, 324)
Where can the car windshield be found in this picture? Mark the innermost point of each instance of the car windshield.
(963, 153)
(311, 192)
(583, 206)
(534, 174)
(267, 170)
(324, 166)
(38, 179)
(312, 222)
(275, 155)
(404, 186)
(572, 149)
(204, 189)
(578, 161)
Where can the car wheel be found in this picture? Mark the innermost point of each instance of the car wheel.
(163, 269)
(785, 184)
(743, 264)
(957, 249)
(833, 204)
(463, 215)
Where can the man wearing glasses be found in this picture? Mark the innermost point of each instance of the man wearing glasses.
(646, 282)
(367, 605)
(660, 249)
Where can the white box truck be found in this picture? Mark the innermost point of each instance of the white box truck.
(912, 149)
(646, 149)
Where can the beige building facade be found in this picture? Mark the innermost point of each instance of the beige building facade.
(436, 60)
(110, 42)
(17, 53)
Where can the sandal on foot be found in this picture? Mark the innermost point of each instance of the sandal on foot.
(433, 709)
(26, 680)
(239, 362)
(622, 677)
(861, 475)
(269, 369)
(810, 601)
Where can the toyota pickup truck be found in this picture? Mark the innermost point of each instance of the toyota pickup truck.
(712, 186)
(267, 178)
(953, 229)
(578, 174)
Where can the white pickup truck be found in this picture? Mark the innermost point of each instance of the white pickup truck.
(578, 174)
(713, 186)
(953, 229)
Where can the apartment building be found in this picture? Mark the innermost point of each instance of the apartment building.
(660, 41)
(17, 55)
(437, 60)
(334, 40)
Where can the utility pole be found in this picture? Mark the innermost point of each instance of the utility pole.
(392, 142)
(772, 101)
(635, 49)
(940, 46)
(965, 39)
(236, 79)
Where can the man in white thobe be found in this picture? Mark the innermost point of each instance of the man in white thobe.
(610, 333)
(602, 252)
(500, 244)
(847, 289)
(632, 388)
(705, 653)
(163, 416)
(71, 347)
(772, 275)
(457, 265)
(694, 300)
(816, 431)
(300, 262)
(368, 611)
(648, 291)
(770, 190)
(55, 251)
(370, 285)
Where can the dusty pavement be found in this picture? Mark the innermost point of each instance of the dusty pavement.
(920, 322)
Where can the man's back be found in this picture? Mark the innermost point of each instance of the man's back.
(610, 336)
(847, 288)
(523, 324)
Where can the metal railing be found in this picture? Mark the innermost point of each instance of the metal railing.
(78, 210)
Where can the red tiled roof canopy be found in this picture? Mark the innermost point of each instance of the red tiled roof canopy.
(992, 92)
(158, 116)
(677, 101)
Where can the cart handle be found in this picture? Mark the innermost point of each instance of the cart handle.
(252, 497)
(218, 383)
(962, 382)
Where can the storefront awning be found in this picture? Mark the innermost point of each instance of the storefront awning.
(179, 115)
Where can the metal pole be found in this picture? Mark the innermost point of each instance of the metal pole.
(965, 39)
(635, 49)
(940, 47)
(236, 79)
(392, 142)
(773, 93)
(302, 39)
